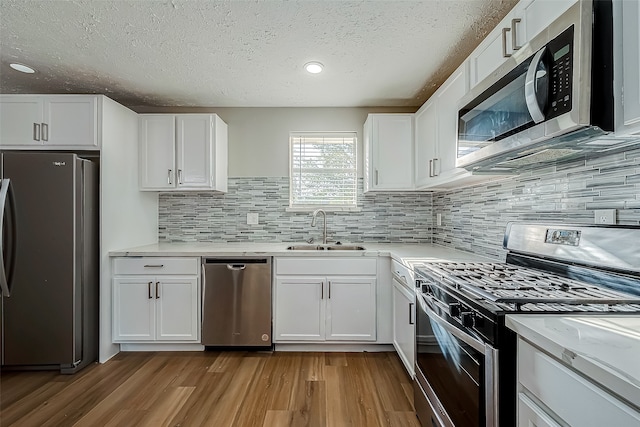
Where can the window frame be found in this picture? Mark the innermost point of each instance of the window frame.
(293, 207)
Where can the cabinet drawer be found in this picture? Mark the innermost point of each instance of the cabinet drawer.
(154, 265)
(576, 400)
(406, 276)
(323, 266)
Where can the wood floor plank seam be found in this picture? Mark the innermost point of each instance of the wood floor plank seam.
(218, 389)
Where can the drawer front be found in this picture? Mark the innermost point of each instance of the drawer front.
(576, 400)
(323, 266)
(156, 265)
(404, 274)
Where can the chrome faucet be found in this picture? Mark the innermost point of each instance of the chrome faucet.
(313, 223)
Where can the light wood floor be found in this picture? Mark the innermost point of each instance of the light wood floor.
(215, 389)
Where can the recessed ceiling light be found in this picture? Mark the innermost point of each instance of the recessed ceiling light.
(313, 67)
(22, 68)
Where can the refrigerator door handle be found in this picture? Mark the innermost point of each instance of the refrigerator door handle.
(6, 193)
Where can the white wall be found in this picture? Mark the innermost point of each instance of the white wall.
(259, 137)
(128, 216)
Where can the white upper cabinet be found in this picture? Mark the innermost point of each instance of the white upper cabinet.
(527, 19)
(49, 122)
(388, 148)
(447, 98)
(426, 134)
(499, 45)
(157, 151)
(183, 152)
(627, 66)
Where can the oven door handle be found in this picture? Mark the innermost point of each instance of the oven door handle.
(464, 337)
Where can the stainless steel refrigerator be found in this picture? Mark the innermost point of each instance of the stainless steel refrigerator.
(49, 271)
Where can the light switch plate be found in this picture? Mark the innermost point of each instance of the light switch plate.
(252, 218)
(605, 216)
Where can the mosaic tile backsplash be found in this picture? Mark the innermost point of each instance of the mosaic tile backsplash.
(211, 217)
(474, 218)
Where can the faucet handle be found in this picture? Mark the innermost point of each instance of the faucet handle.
(310, 240)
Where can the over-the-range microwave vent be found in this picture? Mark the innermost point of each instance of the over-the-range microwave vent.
(586, 143)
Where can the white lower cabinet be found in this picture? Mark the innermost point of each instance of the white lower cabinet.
(404, 317)
(160, 307)
(552, 394)
(325, 300)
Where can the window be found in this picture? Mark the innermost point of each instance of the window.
(323, 170)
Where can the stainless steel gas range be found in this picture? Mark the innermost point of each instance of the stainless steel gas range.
(465, 355)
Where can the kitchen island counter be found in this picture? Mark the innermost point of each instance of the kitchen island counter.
(603, 348)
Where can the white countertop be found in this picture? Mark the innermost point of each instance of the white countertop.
(604, 348)
(406, 253)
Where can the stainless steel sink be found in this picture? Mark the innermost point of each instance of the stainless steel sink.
(305, 248)
(345, 248)
(325, 247)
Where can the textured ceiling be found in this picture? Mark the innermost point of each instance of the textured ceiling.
(241, 53)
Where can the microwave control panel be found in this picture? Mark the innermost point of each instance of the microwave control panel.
(561, 70)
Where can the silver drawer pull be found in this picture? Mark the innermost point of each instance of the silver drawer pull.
(154, 265)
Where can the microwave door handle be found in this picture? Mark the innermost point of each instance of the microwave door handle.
(530, 95)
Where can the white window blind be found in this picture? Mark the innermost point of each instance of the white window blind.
(323, 169)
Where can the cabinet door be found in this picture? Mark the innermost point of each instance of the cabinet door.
(497, 47)
(299, 309)
(177, 308)
(391, 142)
(538, 14)
(70, 121)
(426, 138)
(404, 325)
(630, 66)
(20, 120)
(157, 152)
(351, 309)
(195, 150)
(134, 317)
(447, 98)
(530, 414)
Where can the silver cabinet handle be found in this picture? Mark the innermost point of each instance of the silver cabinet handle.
(36, 131)
(45, 132)
(153, 265)
(435, 167)
(322, 290)
(430, 168)
(157, 290)
(376, 174)
(149, 287)
(514, 37)
(169, 177)
(329, 289)
(504, 42)
(180, 176)
(411, 321)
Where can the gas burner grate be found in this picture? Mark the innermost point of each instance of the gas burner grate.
(525, 289)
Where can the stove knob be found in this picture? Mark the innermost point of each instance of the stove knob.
(468, 319)
(454, 309)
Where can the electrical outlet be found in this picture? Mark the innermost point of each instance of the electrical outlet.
(605, 216)
(252, 218)
(439, 219)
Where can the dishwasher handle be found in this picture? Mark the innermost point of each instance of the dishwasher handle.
(236, 266)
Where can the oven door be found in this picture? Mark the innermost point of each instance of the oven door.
(456, 381)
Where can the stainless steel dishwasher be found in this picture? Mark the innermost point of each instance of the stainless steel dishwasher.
(236, 302)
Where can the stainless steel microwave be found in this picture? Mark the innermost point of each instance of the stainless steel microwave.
(552, 100)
